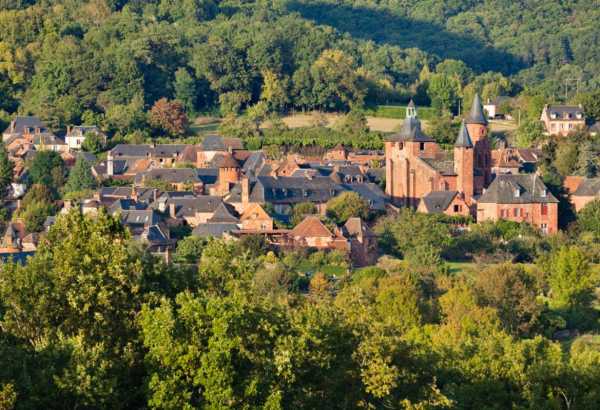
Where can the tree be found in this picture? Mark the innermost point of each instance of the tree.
(6, 171)
(529, 133)
(443, 129)
(37, 205)
(94, 142)
(444, 92)
(586, 160)
(347, 205)
(185, 90)
(169, 116)
(189, 249)
(300, 211)
(353, 124)
(81, 177)
(571, 286)
(47, 168)
(336, 83)
(274, 91)
(588, 219)
(512, 292)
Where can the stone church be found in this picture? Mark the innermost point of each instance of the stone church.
(417, 167)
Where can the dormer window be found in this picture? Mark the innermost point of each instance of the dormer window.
(579, 115)
(544, 193)
(553, 115)
(517, 193)
(305, 192)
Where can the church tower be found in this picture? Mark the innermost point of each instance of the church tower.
(464, 163)
(477, 128)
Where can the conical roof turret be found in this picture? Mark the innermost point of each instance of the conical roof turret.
(476, 115)
(464, 139)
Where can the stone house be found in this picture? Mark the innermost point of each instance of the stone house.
(562, 119)
(519, 198)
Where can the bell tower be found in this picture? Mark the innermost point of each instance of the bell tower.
(464, 163)
(477, 128)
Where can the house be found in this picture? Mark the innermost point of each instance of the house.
(519, 198)
(450, 203)
(312, 233)
(49, 142)
(194, 210)
(212, 145)
(229, 172)
(255, 218)
(416, 165)
(76, 135)
(496, 108)
(177, 179)
(223, 221)
(24, 126)
(588, 190)
(563, 119)
(363, 242)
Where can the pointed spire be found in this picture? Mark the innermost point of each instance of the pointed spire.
(476, 115)
(463, 140)
(411, 109)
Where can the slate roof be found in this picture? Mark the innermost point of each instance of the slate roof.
(20, 123)
(504, 189)
(170, 175)
(224, 161)
(217, 143)
(294, 189)
(147, 150)
(565, 112)
(138, 217)
(254, 162)
(411, 131)
(445, 165)
(214, 229)
(82, 130)
(188, 206)
(438, 201)
(371, 192)
(476, 115)
(464, 139)
(588, 187)
(224, 214)
(122, 204)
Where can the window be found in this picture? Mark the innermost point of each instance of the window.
(544, 209)
(515, 212)
(422, 146)
(544, 228)
(457, 208)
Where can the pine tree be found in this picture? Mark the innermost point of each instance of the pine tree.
(585, 163)
(80, 177)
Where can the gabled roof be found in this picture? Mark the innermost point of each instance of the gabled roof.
(438, 201)
(223, 214)
(476, 115)
(21, 123)
(170, 175)
(588, 187)
(517, 189)
(562, 111)
(411, 131)
(254, 162)
(311, 227)
(464, 139)
(188, 206)
(357, 228)
(254, 211)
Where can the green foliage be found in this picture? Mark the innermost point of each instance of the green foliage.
(588, 219)
(37, 204)
(80, 176)
(93, 142)
(572, 286)
(189, 249)
(6, 171)
(300, 211)
(444, 92)
(529, 134)
(47, 168)
(347, 205)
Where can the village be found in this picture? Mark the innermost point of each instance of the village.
(217, 188)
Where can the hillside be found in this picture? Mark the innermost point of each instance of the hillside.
(108, 61)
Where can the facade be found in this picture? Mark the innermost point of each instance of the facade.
(519, 198)
(563, 119)
(76, 135)
(450, 203)
(588, 190)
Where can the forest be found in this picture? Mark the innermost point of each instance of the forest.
(107, 62)
(94, 321)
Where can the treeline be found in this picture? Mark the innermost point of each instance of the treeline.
(94, 321)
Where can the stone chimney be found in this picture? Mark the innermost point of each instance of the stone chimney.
(245, 191)
(172, 211)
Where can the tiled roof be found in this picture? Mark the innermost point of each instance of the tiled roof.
(224, 214)
(217, 143)
(464, 139)
(224, 161)
(411, 131)
(476, 115)
(356, 227)
(517, 189)
(214, 229)
(445, 165)
(311, 227)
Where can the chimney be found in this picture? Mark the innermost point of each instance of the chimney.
(38, 130)
(110, 168)
(13, 125)
(69, 129)
(172, 210)
(245, 191)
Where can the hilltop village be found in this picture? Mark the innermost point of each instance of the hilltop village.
(217, 188)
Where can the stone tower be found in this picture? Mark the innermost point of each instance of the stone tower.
(464, 163)
(477, 128)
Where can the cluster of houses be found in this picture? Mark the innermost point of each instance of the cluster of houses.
(219, 189)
